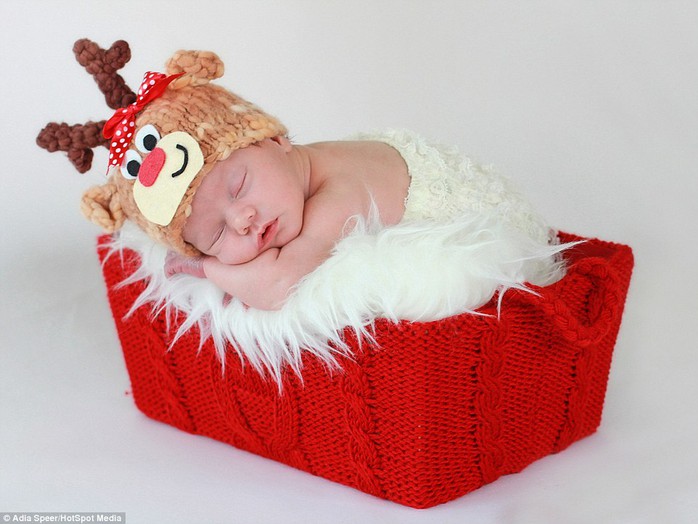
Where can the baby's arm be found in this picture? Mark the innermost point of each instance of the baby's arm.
(265, 281)
(176, 263)
(262, 283)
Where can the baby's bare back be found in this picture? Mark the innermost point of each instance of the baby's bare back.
(359, 174)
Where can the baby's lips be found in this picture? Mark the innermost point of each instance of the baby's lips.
(266, 234)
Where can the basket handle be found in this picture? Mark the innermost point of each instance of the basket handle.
(605, 289)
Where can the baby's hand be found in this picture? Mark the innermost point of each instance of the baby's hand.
(176, 263)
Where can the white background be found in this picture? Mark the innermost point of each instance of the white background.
(591, 106)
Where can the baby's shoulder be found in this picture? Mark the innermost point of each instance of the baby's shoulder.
(352, 152)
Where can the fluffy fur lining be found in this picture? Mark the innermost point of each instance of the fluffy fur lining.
(417, 271)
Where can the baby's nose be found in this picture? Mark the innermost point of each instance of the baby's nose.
(243, 220)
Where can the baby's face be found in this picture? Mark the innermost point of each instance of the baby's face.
(248, 203)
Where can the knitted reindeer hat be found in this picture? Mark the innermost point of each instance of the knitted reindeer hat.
(163, 143)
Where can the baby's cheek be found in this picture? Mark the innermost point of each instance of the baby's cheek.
(233, 255)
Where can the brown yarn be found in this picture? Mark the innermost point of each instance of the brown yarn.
(200, 68)
(103, 66)
(101, 205)
(78, 140)
(219, 120)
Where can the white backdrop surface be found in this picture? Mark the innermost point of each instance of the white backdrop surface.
(592, 107)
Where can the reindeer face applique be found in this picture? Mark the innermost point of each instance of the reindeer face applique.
(162, 177)
(163, 142)
(161, 167)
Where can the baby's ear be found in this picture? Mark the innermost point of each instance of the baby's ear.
(199, 68)
(101, 205)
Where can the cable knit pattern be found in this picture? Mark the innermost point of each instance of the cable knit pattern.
(425, 412)
(488, 402)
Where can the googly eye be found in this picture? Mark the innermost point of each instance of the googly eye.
(147, 138)
(131, 165)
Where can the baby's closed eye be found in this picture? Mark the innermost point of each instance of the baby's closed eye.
(217, 237)
(238, 190)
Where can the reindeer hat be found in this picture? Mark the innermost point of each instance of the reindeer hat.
(162, 143)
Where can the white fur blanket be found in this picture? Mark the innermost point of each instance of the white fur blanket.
(411, 271)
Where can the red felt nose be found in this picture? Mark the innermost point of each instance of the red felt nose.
(151, 167)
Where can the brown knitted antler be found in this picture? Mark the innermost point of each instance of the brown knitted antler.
(78, 140)
(103, 66)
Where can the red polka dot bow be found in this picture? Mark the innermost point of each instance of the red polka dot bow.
(119, 128)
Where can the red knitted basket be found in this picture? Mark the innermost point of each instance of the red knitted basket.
(433, 411)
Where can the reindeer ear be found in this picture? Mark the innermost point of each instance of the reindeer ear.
(101, 205)
(200, 67)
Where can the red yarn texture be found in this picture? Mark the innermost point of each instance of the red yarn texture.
(433, 411)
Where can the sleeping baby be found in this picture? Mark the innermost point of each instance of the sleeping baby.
(217, 180)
